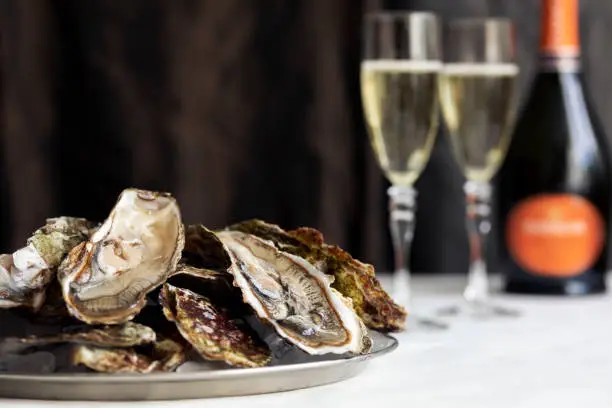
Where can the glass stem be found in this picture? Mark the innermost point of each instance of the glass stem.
(478, 209)
(402, 205)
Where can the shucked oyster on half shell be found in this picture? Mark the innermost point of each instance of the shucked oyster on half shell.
(25, 274)
(294, 297)
(105, 280)
(352, 278)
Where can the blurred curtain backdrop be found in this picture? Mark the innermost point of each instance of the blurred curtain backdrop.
(239, 108)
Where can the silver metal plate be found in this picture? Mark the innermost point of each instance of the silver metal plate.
(189, 385)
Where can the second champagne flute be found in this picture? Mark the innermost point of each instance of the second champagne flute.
(477, 96)
(399, 84)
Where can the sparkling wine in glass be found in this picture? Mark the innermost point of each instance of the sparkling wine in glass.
(399, 87)
(477, 84)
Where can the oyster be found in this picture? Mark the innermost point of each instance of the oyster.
(203, 249)
(211, 331)
(203, 269)
(169, 353)
(218, 287)
(352, 278)
(208, 274)
(294, 297)
(25, 274)
(126, 335)
(165, 355)
(105, 280)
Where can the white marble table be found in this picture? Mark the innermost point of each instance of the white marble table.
(559, 354)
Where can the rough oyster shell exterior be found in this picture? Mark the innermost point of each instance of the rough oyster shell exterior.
(211, 331)
(25, 274)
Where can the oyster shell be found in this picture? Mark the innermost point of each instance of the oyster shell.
(25, 274)
(126, 335)
(294, 297)
(169, 353)
(203, 249)
(352, 278)
(166, 355)
(105, 280)
(218, 287)
(211, 331)
(208, 274)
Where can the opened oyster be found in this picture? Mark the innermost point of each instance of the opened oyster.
(294, 297)
(211, 331)
(165, 355)
(126, 335)
(352, 278)
(105, 280)
(25, 275)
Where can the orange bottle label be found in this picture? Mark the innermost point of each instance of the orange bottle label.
(557, 235)
(560, 33)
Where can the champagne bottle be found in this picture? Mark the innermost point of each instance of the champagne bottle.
(554, 197)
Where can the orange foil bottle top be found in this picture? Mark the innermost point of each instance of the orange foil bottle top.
(560, 33)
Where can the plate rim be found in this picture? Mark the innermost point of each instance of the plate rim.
(225, 373)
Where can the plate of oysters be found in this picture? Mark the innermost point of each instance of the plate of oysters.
(141, 306)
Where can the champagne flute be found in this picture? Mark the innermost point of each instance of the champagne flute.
(399, 85)
(477, 96)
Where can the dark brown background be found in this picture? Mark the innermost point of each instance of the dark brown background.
(239, 108)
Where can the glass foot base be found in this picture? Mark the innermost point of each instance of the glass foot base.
(478, 310)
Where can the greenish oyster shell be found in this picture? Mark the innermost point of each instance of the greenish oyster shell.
(59, 235)
(26, 273)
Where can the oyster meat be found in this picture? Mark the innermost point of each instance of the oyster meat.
(294, 297)
(25, 274)
(105, 279)
(352, 278)
(211, 331)
(165, 355)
